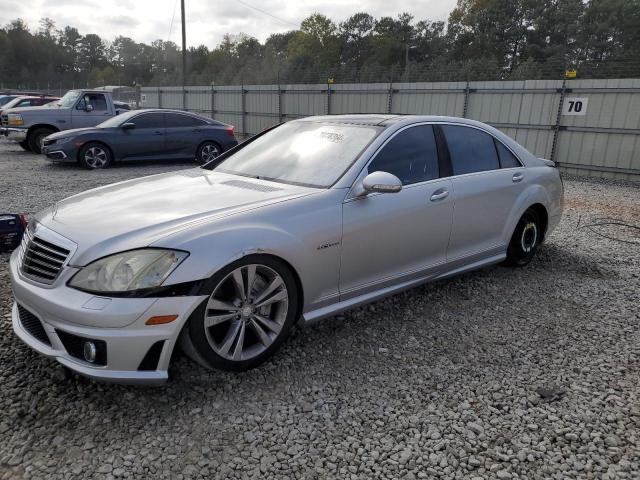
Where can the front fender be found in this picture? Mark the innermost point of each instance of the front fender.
(306, 234)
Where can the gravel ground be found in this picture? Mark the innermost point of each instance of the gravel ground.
(530, 373)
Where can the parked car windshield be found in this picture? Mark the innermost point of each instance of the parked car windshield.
(118, 119)
(305, 153)
(69, 98)
(6, 99)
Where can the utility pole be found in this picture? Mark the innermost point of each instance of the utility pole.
(184, 47)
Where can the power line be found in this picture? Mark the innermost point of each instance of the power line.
(173, 16)
(267, 13)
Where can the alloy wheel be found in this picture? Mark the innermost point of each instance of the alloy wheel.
(246, 312)
(96, 157)
(529, 237)
(209, 152)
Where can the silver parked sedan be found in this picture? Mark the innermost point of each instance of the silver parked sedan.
(310, 218)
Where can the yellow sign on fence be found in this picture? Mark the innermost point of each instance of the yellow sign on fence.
(570, 74)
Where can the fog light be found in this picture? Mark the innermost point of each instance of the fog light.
(89, 351)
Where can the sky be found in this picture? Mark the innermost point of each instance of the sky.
(207, 21)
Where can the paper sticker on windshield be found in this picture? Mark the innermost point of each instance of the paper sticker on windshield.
(334, 137)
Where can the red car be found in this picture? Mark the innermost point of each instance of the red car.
(28, 101)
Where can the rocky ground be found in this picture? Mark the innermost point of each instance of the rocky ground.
(529, 373)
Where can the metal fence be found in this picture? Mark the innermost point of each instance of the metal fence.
(589, 127)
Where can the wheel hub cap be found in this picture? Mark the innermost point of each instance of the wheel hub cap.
(529, 237)
(246, 312)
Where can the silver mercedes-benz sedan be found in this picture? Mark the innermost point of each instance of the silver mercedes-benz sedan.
(307, 219)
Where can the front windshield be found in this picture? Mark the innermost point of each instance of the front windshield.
(6, 99)
(11, 103)
(315, 154)
(69, 98)
(117, 120)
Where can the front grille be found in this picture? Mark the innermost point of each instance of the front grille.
(42, 260)
(32, 325)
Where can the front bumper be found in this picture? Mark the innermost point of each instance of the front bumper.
(14, 134)
(60, 153)
(118, 322)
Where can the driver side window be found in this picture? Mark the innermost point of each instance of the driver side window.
(411, 155)
(96, 100)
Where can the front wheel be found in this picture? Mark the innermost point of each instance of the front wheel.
(249, 313)
(35, 138)
(94, 155)
(207, 151)
(525, 240)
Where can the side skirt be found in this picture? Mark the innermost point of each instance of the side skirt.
(334, 309)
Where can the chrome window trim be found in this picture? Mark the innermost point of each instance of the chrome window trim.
(359, 177)
(145, 113)
(184, 114)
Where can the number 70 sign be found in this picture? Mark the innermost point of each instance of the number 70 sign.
(575, 106)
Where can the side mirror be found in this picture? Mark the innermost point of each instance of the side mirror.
(88, 107)
(380, 182)
(128, 126)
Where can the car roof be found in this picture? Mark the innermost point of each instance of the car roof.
(386, 120)
(354, 119)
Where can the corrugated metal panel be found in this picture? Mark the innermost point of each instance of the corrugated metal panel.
(439, 98)
(171, 97)
(261, 105)
(359, 98)
(304, 100)
(525, 110)
(199, 100)
(608, 107)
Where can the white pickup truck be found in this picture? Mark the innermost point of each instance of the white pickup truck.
(76, 109)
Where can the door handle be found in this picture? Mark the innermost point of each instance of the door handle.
(157, 133)
(439, 195)
(517, 177)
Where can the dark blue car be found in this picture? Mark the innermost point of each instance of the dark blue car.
(142, 135)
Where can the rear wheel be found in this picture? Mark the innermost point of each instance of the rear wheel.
(207, 151)
(525, 240)
(94, 155)
(25, 145)
(35, 138)
(248, 315)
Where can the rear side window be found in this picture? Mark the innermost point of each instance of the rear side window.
(174, 120)
(471, 150)
(507, 159)
(411, 155)
(148, 120)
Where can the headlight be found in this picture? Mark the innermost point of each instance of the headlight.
(128, 271)
(60, 141)
(15, 120)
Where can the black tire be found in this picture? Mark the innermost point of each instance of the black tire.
(34, 140)
(525, 240)
(95, 155)
(198, 340)
(25, 145)
(207, 151)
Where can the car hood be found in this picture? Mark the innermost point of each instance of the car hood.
(33, 109)
(136, 213)
(73, 132)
